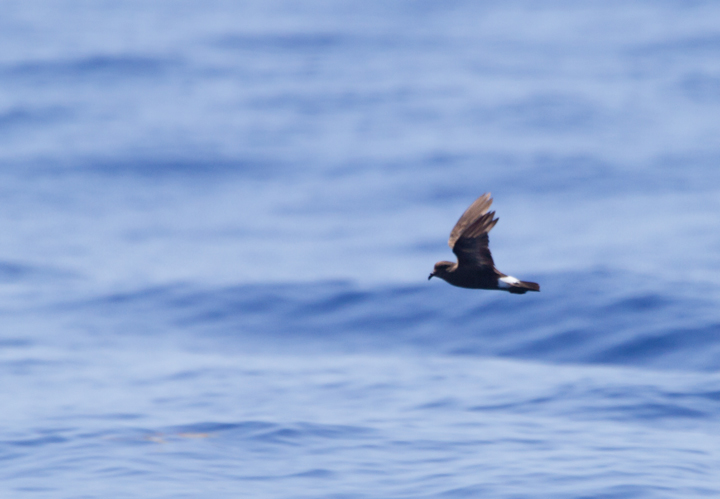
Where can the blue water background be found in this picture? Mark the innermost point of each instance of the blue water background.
(218, 220)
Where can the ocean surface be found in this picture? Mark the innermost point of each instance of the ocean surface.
(218, 219)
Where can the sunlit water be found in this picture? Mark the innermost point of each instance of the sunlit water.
(218, 221)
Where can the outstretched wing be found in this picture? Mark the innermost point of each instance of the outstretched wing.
(469, 237)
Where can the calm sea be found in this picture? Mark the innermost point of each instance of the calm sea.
(218, 219)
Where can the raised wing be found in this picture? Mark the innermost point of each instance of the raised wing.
(469, 237)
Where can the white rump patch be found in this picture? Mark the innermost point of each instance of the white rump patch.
(507, 282)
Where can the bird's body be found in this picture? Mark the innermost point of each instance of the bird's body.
(475, 267)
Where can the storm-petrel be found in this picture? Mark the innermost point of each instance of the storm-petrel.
(475, 267)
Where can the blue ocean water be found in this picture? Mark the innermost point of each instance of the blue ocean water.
(219, 217)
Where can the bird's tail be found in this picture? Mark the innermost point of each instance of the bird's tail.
(523, 287)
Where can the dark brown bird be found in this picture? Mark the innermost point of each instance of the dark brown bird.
(475, 267)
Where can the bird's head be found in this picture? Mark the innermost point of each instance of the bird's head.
(441, 270)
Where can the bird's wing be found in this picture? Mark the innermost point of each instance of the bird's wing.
(469, 237)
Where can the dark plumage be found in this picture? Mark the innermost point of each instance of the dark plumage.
(475, 267)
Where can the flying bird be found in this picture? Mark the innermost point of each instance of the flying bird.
(475, 267)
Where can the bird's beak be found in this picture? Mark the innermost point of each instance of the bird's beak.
(431, 275)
